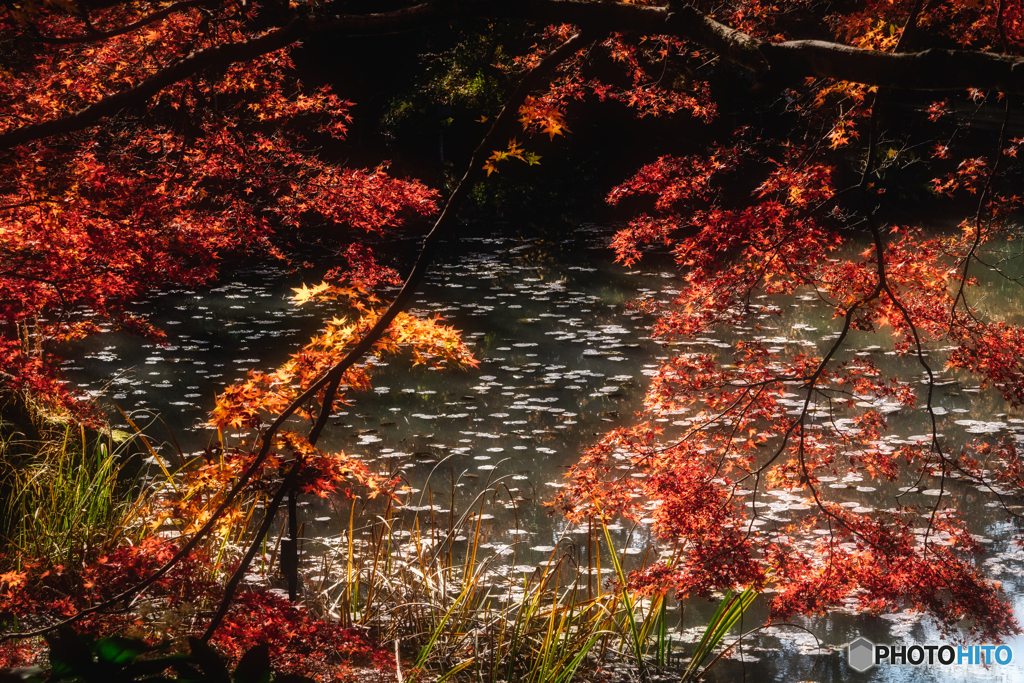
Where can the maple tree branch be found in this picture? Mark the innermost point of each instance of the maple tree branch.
(932, 69)
(325, 410)
(983, 198)
(221, 55)
(286, 488)
(910, 26)
(946, 463)
(736, 46)
(879, 242)
(1000, 10)
(883, 286)
(94, 35)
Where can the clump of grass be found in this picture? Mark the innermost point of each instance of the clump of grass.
(69, 490)
(68, 495)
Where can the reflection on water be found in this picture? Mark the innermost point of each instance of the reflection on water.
(562, 360)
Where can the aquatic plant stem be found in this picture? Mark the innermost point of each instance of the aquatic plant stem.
(627, 600)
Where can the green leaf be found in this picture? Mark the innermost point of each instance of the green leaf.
(117, 650)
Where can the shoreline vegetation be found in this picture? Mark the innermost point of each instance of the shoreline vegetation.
(398, 594)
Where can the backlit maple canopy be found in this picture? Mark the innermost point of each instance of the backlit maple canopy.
(141, 141)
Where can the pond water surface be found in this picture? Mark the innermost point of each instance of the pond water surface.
(562, 361)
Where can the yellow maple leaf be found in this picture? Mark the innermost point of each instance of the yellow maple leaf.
(304, 293)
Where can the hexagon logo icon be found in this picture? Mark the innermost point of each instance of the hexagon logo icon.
(860, 654)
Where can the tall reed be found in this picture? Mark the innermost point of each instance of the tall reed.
(418, 579)
(69, 495)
